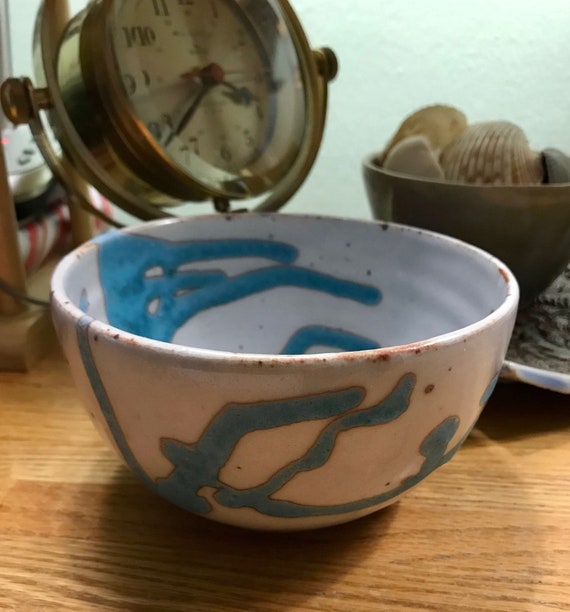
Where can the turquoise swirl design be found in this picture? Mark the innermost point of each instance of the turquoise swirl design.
(198, 465)
(180, 294)
(319, 335)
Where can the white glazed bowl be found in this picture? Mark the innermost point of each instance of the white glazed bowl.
(180, 336)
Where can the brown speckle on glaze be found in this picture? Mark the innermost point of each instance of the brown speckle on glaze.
(429, 389)
(504, 274)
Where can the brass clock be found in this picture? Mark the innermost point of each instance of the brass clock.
(160, 102)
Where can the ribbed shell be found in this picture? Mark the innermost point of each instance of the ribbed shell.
(439, 124)
(493, 153)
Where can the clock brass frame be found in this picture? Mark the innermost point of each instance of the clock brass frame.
(109, 149)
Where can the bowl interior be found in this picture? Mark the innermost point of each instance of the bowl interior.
(282, 284)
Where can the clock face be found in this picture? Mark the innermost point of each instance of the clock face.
(215, 85)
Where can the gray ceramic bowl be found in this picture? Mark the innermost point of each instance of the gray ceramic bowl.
(528, 228)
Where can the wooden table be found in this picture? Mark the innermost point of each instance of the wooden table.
(489, 531)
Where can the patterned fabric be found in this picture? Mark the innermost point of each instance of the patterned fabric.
(40, 236)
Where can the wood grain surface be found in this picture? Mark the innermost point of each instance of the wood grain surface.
(488, 532)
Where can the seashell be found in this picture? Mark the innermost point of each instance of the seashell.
(439, 124)
(492, 153)
(556, 166)
(414, 156)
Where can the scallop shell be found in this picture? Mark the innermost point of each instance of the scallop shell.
(414, 156)
(439, 124)
(493, 153)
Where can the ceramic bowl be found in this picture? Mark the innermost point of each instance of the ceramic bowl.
(283, 372)
(528, 228)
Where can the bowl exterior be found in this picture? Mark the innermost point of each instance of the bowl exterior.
(287, 443)
(528, 228)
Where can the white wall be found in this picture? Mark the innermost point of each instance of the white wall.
(494, 59)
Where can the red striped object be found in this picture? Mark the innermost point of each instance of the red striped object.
(41, 236)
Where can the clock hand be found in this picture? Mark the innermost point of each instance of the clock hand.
(210, 76)
(212, 72)
(239, 95)
(187, 115)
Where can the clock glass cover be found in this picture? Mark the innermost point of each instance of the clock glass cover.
(216, 86)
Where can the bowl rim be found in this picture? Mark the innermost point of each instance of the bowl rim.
(60, 299)
(369, 164)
